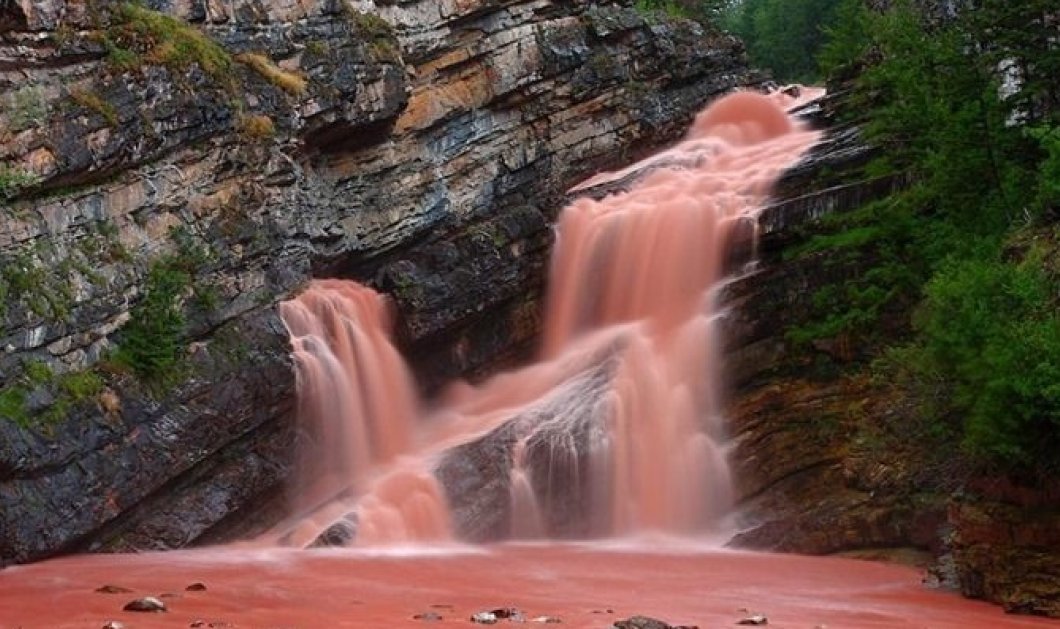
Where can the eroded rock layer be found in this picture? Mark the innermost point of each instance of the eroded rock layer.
(170, 171)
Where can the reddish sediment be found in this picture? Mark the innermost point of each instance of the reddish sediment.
(578, 584)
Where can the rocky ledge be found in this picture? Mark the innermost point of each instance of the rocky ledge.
(169, 171)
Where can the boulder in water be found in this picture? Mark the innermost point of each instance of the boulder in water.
(645, 622)
(508, 613)
(340, 533)
(146, 604)
(484, 618)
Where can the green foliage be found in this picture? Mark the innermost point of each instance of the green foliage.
(988, 329)
(45, 288)
(982, 360)
(38, 372)
(786, 36)
(13, 404)
(317, 47)
(670, 8)
(26, 107)
(13, 180)
(846, 39)
(707, 11)
(1018, 38)
(65, 393)
(152, 341)
(377, 32)
(140, 35)
(1048, 199)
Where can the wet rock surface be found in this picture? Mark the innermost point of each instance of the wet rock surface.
(646, 622)
(423, 148)
(146, 604)
(558, 432)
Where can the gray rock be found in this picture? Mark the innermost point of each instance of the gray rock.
(484, 618)
(145, 604)
(642, 622)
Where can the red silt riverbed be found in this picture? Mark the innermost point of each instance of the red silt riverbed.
(587, 586)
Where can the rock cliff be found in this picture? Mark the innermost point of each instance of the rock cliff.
(818, 466)
(169, 171)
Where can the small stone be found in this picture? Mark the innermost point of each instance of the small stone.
(145, 604)
(508, 613)
(484, 618)
(428, 617)
(112, 589)
(548, 620)
(757, 619)
(197, 623)
(196, 587)
(642, 622)
(169, 595)
(113, 624)
(442, 606)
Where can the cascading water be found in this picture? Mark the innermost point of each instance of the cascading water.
(615, 430)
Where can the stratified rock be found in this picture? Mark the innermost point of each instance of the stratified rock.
(145, 604)
(395, 149)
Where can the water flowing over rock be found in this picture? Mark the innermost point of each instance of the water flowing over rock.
(420, 146)
(616, 429)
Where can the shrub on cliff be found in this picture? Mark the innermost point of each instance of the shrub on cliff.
(982, 155)
(990, 330)
(152, 341)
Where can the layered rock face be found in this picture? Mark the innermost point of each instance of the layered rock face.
(817, 470)
(170, 171)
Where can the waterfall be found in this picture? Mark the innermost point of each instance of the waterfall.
(617, 427)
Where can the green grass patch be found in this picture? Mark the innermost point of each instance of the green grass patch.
(93, 102)
(140, 35)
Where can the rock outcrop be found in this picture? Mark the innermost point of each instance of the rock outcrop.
(818, 469)
(170, 171)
